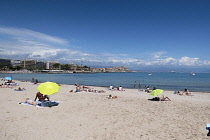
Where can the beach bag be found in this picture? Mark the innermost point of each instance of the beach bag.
(208, 128)
(49, 104)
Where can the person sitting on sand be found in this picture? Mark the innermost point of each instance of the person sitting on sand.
(110, 87)
(41, 97)
(31, 102)
(2, 86)
(147, 89)
(186, 91)
(36, 81)
(78, 89)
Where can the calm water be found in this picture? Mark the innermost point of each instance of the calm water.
(165, 81)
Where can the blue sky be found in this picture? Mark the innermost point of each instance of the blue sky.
(139, 34)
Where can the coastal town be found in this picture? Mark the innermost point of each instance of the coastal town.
(35, 66)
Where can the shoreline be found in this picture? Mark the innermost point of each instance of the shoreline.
(115, 87)
(123, 88)
(195, 86)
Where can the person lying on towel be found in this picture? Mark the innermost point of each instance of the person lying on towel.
(31, 102)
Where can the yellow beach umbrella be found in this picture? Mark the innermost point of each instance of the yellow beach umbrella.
(48, 88)
(156, 92)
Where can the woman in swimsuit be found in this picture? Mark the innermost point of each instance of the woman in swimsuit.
(31, 102)
(164, 98)
(41, 97)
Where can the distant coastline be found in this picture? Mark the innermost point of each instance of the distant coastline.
(62, 72)
(16, 71)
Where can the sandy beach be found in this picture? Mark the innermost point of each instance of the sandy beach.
(92, 116)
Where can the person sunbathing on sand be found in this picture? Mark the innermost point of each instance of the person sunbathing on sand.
(84, 87)
(178, 93)
(163, 98)
(31, 102)
(20, 89)
(112, 97)
(186, 91)
(99, 91)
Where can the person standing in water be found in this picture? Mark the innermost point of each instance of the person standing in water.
(134, 85)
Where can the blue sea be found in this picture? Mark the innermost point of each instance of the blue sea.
(166, 81)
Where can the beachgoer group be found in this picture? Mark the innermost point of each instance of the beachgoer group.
(185, 92)
(86, 89)
(9, 84)
(117, 88)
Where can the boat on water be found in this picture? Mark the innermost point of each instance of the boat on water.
(149, 74)
(192, 73)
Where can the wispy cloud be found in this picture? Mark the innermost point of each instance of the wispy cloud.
(18, 43)
(24, 34)
(23, 43)
(159, 54)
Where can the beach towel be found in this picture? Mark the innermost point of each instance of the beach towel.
(44, 104)
(31, 105)
(49, 104)
(19, 90)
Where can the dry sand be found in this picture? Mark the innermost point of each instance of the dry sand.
(91, 116)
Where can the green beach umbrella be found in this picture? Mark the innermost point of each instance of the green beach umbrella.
(48, 88)
(156, 92)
